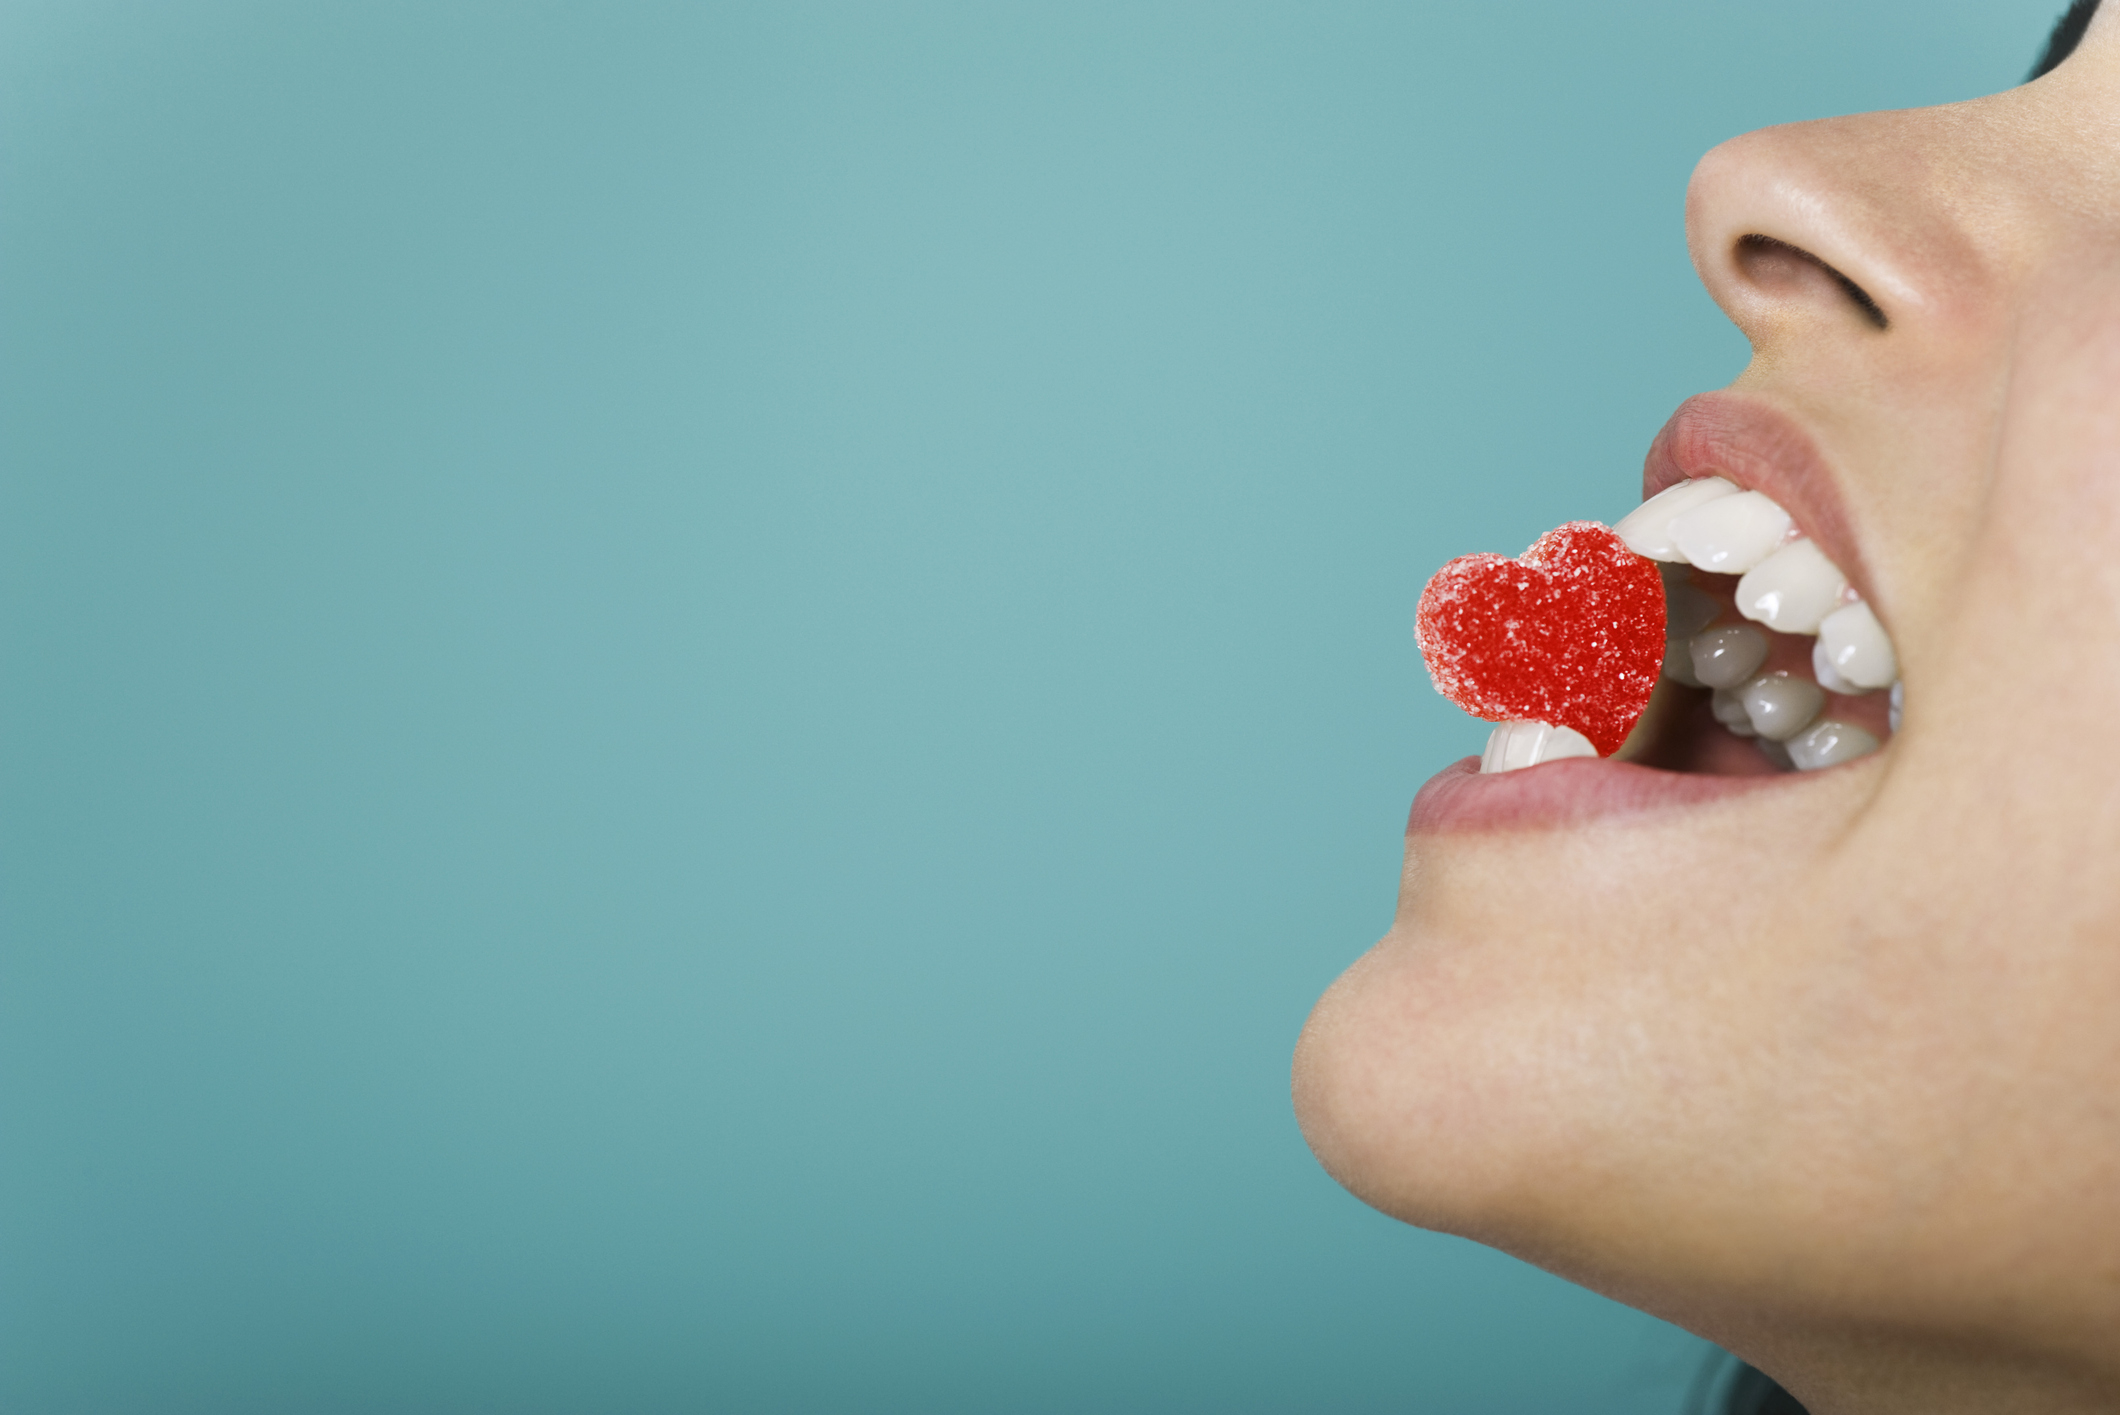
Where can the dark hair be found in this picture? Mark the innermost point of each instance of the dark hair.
(1743, 1390)
(1754, 1392)
(2068, 33)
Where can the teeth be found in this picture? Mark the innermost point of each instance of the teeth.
(1678, 663)
(1792, 589)
(1829, 743)
(1517, 744)
(1786, 584)
(1857, 647)
(1779, 706)
(1647, 528)
(1726, 657)
(1822, 669)
(1729, 710)
(1730, 534)
(1687, 611)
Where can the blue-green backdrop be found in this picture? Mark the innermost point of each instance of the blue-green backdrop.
(691, 695)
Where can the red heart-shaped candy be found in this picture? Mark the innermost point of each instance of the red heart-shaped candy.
(1572, 634)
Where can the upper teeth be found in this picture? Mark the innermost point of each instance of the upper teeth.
(1687, 609)
(1788, 585)
(1857, 646)
(1647, 528)
(1792, 589)
(1730, 534)
(1828, 679)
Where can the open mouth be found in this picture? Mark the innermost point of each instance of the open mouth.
(1775, 663)
(1774, 660)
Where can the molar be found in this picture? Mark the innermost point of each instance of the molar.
(1779, 706)
(1857, 647)
(1899, 702)
(1725, 657)
(1791, 590)
(1519, 743)
(1730, 534)
(1647, 528)
(1829, 743)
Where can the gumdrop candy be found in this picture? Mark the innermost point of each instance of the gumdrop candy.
(1571, 634)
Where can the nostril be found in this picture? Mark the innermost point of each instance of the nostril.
(1792, 272)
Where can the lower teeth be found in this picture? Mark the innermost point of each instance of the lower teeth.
(1779, 711)
(1829, 743)
(1780, 706)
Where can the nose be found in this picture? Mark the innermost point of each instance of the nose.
(1837, 233)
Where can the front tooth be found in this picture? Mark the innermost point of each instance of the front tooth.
(1519, 743)
(1729, 710)
(1829, 743)
(1726, 657)
(1899, 702)
(1647, 528)
(1792, 589)
(1858, 647)
(1780, 706)
(1730, 534)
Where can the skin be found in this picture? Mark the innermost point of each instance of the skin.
(1830, 1072)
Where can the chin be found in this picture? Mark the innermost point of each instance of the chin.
(1566, 1046)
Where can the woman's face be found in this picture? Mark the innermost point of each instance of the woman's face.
(1826, 1066)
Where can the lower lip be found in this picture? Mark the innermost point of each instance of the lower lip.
(1558, 795)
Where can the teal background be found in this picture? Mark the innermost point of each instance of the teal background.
(691, 696)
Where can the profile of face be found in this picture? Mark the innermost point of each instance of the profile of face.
(1825, 1065)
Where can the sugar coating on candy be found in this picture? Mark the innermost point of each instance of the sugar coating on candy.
(1571, 634)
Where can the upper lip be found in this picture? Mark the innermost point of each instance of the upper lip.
(1761, 448)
